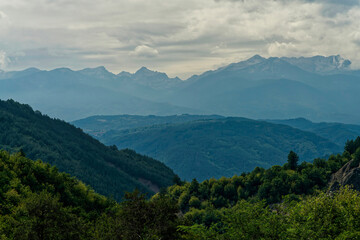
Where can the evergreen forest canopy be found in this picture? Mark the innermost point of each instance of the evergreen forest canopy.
(284, 202)
(109, 171)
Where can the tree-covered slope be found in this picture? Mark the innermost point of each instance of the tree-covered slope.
(107, 170)
(283, 202)
(289, 202)
(39, 202)
(220, 147)
(268, 185)
(338, 133)
(98, 125)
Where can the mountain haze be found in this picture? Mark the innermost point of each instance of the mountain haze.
(71, 95)
(317, 88)
(284, 87)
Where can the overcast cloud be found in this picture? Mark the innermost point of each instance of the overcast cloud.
(179, 37)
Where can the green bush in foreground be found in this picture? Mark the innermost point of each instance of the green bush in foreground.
(317, 217)
(39, 202)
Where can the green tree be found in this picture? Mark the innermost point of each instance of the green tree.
(134, 215)
(42, 216)
(352, 145)
(177, 180)
(194, 187)
(293, 160)
(325, 217)
(356, 160)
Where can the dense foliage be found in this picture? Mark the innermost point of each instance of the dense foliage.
(39, 202)
(107, 170)
(220, 147)
(287, 202)
(352, 145)
(268, 185)
(317, 217)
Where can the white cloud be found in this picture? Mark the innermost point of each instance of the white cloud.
(144, 51)
(4, 60)
(192, 36)
(4, 20)
(282, 49)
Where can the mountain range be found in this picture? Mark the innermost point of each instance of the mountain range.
(69, 95)
(277, 88)
(317, 88)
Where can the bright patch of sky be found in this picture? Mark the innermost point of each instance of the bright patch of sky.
(179, 37)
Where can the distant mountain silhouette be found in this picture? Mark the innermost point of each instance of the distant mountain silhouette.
(70, 95)
(317, 88)
(277, 88)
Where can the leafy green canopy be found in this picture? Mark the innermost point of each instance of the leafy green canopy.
(316, 217)
(270, 185)
(286, 202)
(39, 202)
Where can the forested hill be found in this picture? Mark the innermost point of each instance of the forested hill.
(108, 170)
(209, 148)
(284, 202)
(98, 125)
(39, 202)
(337, 133)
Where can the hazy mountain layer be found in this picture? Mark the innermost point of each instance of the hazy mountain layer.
(71, 95)
(317, 88)
(284, 87)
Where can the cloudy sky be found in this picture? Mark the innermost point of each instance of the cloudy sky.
(179, 37)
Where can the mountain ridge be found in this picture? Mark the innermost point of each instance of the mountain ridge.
(108, 170)
(206, 148)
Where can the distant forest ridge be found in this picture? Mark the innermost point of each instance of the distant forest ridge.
(208, 146)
